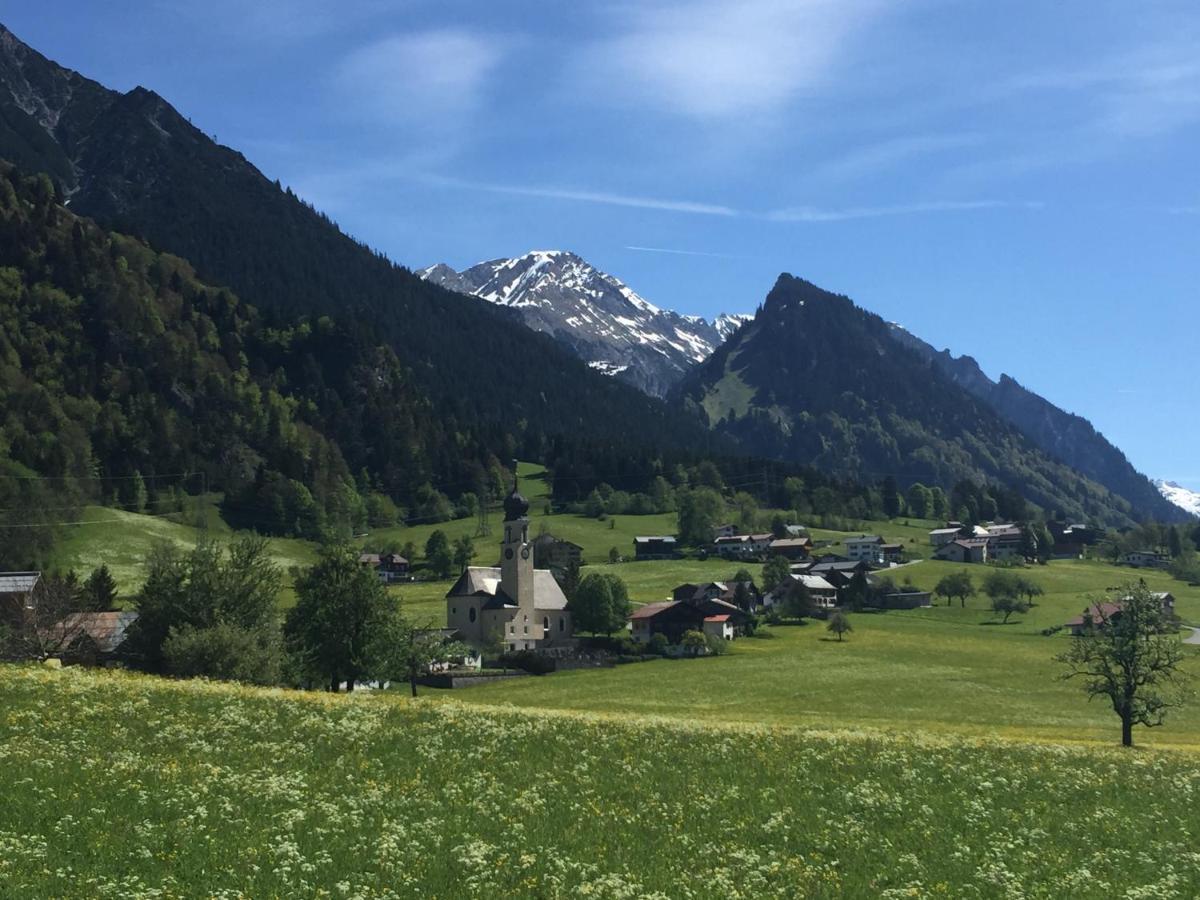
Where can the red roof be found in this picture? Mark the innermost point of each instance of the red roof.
(1097, 612)
(722, 618)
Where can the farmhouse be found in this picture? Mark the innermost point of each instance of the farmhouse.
(1099, 613)
(839, 573)
(655, 547)
(719, 626)
(726, 530)
(1004, 542)
(16, 596)
(91, 638)
(964, 550)
(672, 618)
(390, 567)
(716, 590)
(1147, 559)
(892, 553)
(742, 546)
(550, 552)
(514, 604)
(868, 547)
(790, 548)
(824, 595)
(940, 536)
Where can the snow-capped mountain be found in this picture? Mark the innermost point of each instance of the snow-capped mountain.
(1182, 497)
(599, 317)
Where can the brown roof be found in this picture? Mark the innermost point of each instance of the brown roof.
(724, 618)
(106, 629)
(650, 610)
(1097, 612)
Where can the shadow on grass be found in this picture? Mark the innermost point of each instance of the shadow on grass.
(830, 640)
(994, 622)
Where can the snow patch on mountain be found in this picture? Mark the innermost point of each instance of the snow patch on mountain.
(607, 323)
(1182, 497)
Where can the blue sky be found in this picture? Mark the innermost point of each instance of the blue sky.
(1019, 181)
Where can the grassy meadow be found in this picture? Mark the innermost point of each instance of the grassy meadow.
(120, 785)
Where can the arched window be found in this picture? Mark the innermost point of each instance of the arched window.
(471, 614)
(562, 624)
(545, 623)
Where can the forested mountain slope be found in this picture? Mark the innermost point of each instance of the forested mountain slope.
(817, 380)
(1067, 437)
(133, 163)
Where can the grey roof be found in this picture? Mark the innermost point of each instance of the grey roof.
(18, 582)
(664, 538)
(865, 539)
(485, 580)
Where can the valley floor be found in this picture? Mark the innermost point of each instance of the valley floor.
(120, 785)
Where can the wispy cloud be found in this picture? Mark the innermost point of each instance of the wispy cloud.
(1147, 91)
(870, 159)
(591, 196)
(817, 214)
(431, 75)
(721, 58)
(675, 252)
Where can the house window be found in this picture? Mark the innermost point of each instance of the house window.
(471, 614)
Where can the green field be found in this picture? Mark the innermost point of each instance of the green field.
(127, 786)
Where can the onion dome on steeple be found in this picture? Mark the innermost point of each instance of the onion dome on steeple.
(515, 506)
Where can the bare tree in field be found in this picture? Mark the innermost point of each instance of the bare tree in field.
(1130, 653)
(46, 625)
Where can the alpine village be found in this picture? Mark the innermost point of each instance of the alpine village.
(325, 575)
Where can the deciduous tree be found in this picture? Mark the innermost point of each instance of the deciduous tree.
(1132, 658)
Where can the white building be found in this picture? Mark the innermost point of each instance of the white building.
(867, 548)
(516, 604)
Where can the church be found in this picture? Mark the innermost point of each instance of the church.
(515, 605)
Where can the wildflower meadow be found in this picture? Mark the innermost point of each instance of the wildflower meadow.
(117, 785)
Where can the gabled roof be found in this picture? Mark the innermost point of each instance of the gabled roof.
(661, 538)
(1097, 612)
(106, 629)
(18, 582)
(865, 539)
(721, 618)
(485, 581)
(650, 610)
(945, 531)
(790, 542)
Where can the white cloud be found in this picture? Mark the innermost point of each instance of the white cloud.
(722, 58)
(816, 214)
(427, 75)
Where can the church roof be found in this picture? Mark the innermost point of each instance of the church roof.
(485, 580)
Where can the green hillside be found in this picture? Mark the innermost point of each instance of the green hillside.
(190, 789)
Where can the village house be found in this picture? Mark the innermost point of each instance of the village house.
(514, 604)
(470, 659)
(716, 590)
(790, 547)
(868, 548)
(727, 530)
(892, 554)
(742, 546)
(719, 626)
(839, 573)
(390, 567)
(1004, 542)
(1147, 559)
(824, 594)
(655, 547)
(91, 638)
(550, 552)
(16, 597)
(964, 550)
(1099, 613)
(941, 536)
(671, 618)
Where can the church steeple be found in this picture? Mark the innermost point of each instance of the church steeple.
(516, 553)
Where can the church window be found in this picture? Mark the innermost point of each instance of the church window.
(562, 624)
(471, 614)
(546, 623)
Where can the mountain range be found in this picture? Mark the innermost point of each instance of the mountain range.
(812, 379)
(816, 379)
(605, 323)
